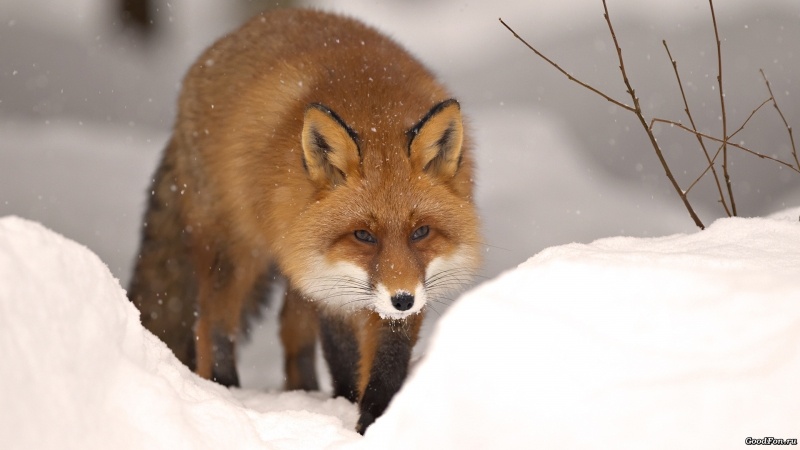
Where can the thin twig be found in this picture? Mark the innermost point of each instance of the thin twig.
(648, 130)
(785, 123)
(740, 147)
(699, 139)
(705, 171)
(710, 165)
(724, 142)
(725, 171)
(752, 113)
(567, 74)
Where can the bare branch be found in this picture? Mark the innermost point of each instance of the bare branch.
(785, 123)
(699, 139)
(724, 142)
(740, 147)
(725, 171)
(647, 129)
(719, 149)
(567, 74)
(705, 171)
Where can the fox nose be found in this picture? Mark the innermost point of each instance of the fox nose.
(402, 301)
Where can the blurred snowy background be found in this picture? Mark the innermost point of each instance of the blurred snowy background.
(86, 106)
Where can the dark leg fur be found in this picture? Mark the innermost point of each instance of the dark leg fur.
(341, 352)
(389, 370)
(224, 370)
(368, 365)
(224, 294)
(164, 286)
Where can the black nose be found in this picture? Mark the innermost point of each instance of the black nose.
(403, 301)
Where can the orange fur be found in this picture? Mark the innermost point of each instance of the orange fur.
(293, 134)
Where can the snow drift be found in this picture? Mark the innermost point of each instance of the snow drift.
(685, 341)
(80, 372)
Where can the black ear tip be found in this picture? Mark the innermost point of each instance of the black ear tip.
(332, 114)
(437, 108)
(450, 101)
(320, 107)
(442, 105)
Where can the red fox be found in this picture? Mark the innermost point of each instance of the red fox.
(310, 145)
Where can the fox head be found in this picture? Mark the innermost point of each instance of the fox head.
(393, 226)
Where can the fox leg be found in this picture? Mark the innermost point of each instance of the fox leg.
(299, 328)
(340, 347)
(386, 347)
(223, 292)
(368, 358)
(215, 345)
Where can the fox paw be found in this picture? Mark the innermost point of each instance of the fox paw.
(364, 421)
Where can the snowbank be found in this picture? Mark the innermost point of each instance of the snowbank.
(685, 341)
(80, 372)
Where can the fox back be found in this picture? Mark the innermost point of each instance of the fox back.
(310, 143)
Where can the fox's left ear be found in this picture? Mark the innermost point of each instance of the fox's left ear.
(435, 142)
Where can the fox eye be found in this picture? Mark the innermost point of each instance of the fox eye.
(420, 233)
(365, 236)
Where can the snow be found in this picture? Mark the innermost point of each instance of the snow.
(688, 340)
(647, 339)
(81, 371)
(685, 341)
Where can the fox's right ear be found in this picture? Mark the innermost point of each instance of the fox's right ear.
(330, 147)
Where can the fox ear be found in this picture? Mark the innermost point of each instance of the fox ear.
(330, 147)
(435, 145)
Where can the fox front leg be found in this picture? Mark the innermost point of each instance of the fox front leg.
(389, 368)
(368, 358)
(340, 347)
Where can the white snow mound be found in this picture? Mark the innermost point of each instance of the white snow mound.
(686, 341)
(80, 372)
